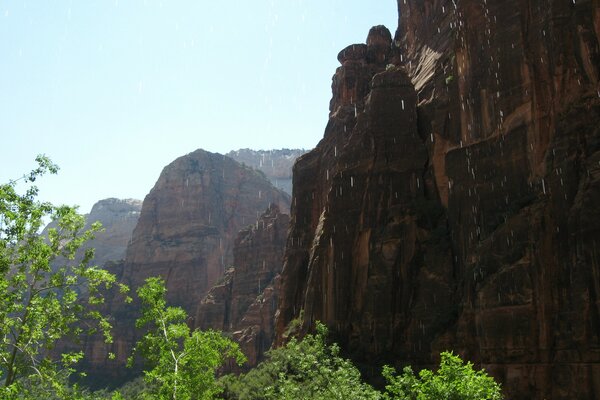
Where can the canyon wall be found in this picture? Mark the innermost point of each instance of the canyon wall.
(186, 233)
(452, 203)
(245, 301)
(189, 222)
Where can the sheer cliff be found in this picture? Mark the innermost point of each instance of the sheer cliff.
(186, 233)
(452, 203)
(245, 301)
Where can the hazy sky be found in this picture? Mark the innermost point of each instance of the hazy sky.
(114, 90)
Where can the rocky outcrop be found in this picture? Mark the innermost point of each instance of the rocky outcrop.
(275, 164)
(451, 202)
(245, 300)
(118, 218)
(189, 222)
(186, 233)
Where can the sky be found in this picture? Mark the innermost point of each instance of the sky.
(114, 90)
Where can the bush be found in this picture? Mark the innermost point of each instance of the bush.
(452, 381)
(303, 369)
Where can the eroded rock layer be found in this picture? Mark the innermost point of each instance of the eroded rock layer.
(189, 222)
(452, 203)
(245, 301)
(186, 233)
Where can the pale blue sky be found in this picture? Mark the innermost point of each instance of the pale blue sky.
(114, 90)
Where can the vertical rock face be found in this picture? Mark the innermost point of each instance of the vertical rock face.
(186, 233)
(364, 213)
(189, 222)
(451, 202)
(244, 302)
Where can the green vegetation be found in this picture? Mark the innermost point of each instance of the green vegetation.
(182, 364)
(454, 380)
(47, 294)
(311, 369)
(306, 369)
(39, 302)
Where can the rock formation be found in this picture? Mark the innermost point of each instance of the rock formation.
(186, 233)
(190, 220)
(245, 300)
(275, 164)
(118, 218)
(452, 203)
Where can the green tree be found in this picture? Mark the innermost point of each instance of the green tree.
(302, 369)
(40, 302)
(182, 364)
(454, 380)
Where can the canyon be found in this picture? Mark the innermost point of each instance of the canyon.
(452, 202)
(186, 233)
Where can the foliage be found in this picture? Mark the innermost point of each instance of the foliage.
(452, 381)
(306, 369)
(44, 292)
(133, 389)
(182, 364)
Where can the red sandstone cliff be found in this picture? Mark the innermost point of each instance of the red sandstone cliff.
(186, 233)
(452, 203)
(245, 300)
(189, 222)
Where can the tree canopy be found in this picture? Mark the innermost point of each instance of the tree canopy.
(44, 292)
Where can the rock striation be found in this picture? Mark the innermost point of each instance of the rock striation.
(186, 233)
(189, 222)
(245, 301)
(452, 201)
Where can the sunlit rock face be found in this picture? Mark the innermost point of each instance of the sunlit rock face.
(275, 164)
(452, 203)
(245, 301)
(190, 220)
(186, 234)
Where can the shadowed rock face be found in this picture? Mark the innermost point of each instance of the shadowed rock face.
(186, 233)
(245, 300)
(452, 201)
